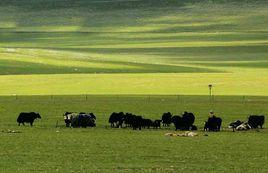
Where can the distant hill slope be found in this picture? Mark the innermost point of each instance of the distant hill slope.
(132, 36)
(106, 47)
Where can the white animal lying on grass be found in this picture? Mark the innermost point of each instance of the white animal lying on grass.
(244, 126)
(185, 134)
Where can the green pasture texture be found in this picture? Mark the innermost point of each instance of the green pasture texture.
(173, 84)
(140, 45)
(45, 148)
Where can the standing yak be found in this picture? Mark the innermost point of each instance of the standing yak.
(184, 122)
(213, 124)
(156, 124)
(129, 117)
(166, 119)
(79, 120)
(117, 119)
(146, 123)
(137, 123)
(83, 120)
(27, 118)
(256, 121)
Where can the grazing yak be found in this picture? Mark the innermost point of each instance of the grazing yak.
(28, 117)
(146, 123)
(184, 122)
(156, 124)
(137, 123)
(129, 119)
(256, 121)
(166, 119)
(117, 119)
(79, 120)
(83, 120)
(68, 118)
(213, 124)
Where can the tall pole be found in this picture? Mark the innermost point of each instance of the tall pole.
(210, 94)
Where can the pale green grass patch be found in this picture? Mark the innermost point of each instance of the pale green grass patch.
(245, 83)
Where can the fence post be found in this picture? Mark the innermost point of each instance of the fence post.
(244, 99)
(57, 123)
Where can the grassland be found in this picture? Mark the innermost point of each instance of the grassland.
(140, 56)
(43, 149)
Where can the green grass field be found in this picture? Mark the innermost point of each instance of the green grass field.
(102, 149)
(140, 56)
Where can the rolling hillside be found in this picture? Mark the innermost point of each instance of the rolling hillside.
(188, 43)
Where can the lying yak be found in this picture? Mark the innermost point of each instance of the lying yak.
(28, 117)
(243, 126)
(235, 124)
(239, 125)
(213, 124)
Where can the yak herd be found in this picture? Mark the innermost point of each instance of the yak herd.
(129, 120)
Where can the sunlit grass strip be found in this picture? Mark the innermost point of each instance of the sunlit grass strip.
(246, 83)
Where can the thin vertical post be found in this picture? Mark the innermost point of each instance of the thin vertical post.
(210, 94)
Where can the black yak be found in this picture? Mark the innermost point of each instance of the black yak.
(156, 124)
(117, 119)
(129, 119)
(28, 117)
(137, 122)
(256, 121)
(184, 122)
(235, 124)
(166, 119)
(79, 120)
(213, 124)
(68, 117)
(83, 120)
(146, 123)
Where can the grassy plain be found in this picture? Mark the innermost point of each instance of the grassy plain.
(43, 149)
